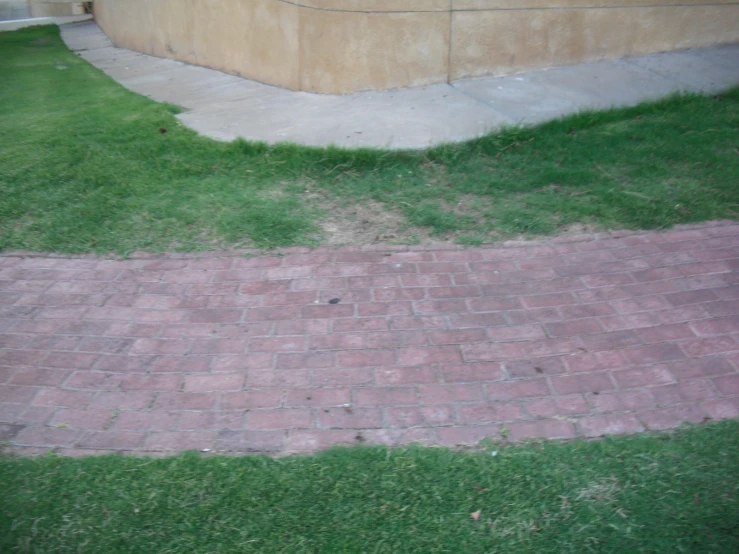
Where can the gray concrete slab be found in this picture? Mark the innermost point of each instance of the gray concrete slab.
(15, 24)
(89, 41)
(538, 96)
(196, 97)
(726, 55)
(525, 98)
(701, 70)
(605, 84)
(411, 118)
(111, 57)
(225, 107)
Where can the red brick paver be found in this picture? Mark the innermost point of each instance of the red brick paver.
(573, 337)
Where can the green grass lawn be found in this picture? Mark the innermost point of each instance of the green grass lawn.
(84, 167)
(669, 493)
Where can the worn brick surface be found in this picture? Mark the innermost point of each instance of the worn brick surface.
(575, 337)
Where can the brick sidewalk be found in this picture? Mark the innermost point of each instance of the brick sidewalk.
(580, 336)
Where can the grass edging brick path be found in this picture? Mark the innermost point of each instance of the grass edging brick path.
(650, 493)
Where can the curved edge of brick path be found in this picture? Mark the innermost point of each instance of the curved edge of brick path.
(572, 337)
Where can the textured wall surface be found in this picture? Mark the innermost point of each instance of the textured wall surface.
(53, 8)
(339, 46)
(14, 9)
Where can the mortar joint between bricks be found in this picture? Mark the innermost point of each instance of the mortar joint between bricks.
(447, 322)
(396, 357)
(642, 421)
(588, 396)
(283, 399)
(110, 423)
(576, 427)
(63, 384)
(384, 418)
(314, 418)
(527, 415)
(154, 398)
(507, 317)
(190, 341)
(454, 408)
(426, 293)
(149, 368)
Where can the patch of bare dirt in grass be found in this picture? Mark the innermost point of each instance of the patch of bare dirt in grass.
(574, 229)
(367, 222)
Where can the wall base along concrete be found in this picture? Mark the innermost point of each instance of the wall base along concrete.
(342, 46)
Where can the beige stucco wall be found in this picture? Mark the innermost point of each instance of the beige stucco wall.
(570, 32)
(339, 46)
(257, 39)
(53, 8)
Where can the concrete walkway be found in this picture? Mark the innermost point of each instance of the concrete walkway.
(15, 24)
(574, 337)
(226, 107)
